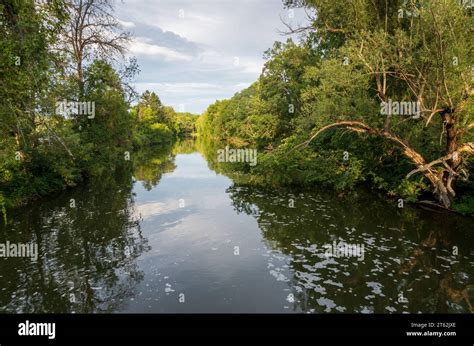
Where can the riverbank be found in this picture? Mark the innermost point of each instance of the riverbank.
(38, 188)
(284, 167)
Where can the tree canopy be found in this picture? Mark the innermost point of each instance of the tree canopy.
(377, 91)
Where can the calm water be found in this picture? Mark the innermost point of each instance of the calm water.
(175, 236)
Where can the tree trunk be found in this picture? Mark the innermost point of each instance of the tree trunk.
(80, 78)
(448, 178)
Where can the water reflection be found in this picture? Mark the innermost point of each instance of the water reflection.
(88, 242)
(151, 163)
(414, 261)
(170, 223)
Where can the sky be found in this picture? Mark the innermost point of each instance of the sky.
(194, 52)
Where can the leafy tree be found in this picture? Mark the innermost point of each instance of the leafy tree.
(389, 53)
(41, 150)
(351, 63)
(150, 121)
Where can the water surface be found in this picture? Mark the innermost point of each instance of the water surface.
(175, 236)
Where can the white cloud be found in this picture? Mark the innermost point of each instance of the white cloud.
(192, 97)
(246, 64)
(251, 66)
(126, 25)
(186, 49)
(191, 88)
(240, 86)
(140, 46)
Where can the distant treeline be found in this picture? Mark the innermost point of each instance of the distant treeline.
(156, 124)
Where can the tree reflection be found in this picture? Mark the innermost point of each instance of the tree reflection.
(408, 252)
(150, 164)
(453, 294)
(87, 252)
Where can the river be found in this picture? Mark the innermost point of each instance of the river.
(176, 236)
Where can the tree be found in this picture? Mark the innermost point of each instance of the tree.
(281, 81)
(92, 29)
(33, 139)
(412, 51)
(109, 133)
(150, 108)
(152, 122)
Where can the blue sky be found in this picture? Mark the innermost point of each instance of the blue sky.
(193, 52)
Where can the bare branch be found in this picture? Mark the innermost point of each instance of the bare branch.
(465, 148)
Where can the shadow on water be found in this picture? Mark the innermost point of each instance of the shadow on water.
(98, 254)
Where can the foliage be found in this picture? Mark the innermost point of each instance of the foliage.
(158, 124)
(351, 59)
(41, 150)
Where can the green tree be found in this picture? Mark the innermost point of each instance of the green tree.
(385, 52)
